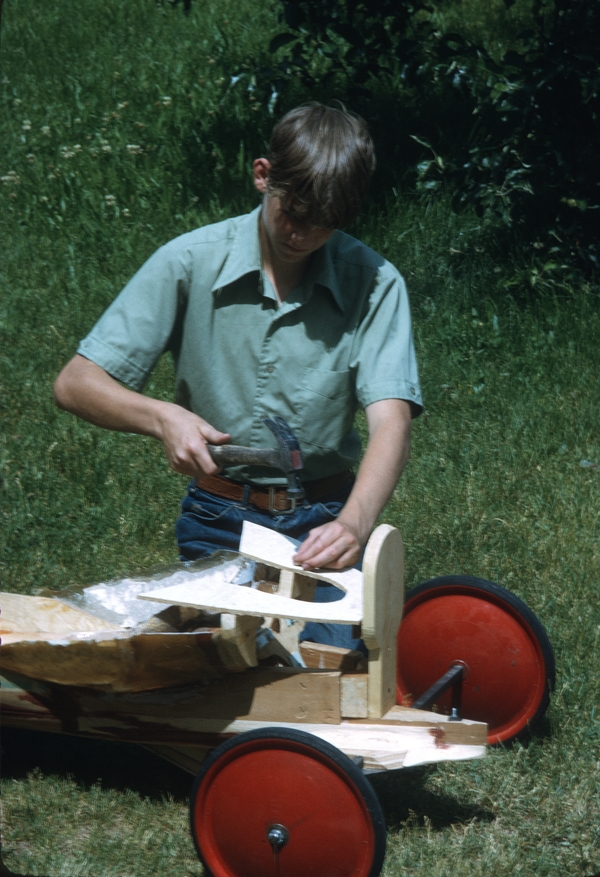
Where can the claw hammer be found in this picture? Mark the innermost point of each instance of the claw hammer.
(286, 456)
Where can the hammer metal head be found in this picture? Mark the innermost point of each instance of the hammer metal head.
(289, 453)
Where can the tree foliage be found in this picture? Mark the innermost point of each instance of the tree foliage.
(532, 154)
(349, 40)
(517, 137)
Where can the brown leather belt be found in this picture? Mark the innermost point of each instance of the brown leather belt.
(273, 499)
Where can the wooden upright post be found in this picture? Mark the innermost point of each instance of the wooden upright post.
(383, 583)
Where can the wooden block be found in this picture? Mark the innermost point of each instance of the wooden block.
(322, 657)
(294, 696)
(353, 695)
(236, 641)
(383, 570)
(286, 631)
(286, 587)
(294, 585)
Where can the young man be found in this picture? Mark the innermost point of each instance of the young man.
(273, 313)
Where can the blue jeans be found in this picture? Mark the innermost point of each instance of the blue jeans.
(209, 523)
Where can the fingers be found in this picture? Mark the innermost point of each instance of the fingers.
(212, 436)
(209, 436)
(192, 458)
(186, 438)
(331, 546)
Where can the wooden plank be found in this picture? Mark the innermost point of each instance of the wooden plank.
(21, 613)
(263, 694)
(270, 547)
(383, 569)
(382, 748)
(403, 738)
(467, 731)
(25, 701)
(118, 660)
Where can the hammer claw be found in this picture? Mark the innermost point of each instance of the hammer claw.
(287, 457)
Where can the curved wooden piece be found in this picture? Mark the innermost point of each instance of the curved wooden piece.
(274, 549)
(383, 594)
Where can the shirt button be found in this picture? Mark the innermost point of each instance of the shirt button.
(270, 368)
(413, 391)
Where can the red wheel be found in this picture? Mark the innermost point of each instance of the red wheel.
(283, 803)
(508, 656)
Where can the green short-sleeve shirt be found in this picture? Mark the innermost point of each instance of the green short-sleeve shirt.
(341, 340)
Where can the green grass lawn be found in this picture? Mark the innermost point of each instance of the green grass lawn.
(120, 129)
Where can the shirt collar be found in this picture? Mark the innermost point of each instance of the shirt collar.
(322, 270)
(244, 257)
(244, 252)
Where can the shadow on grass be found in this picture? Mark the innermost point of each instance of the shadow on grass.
(117, 766)
(403, 798)
(122, 766)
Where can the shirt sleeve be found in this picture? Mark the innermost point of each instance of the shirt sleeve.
(142, 322)
(384, 355)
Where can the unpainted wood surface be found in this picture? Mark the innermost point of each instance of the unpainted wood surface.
(267, 546)
(27, 615)
(354, 695)
(325, 657)
(383, 570)
(235, 641)
(403, 738)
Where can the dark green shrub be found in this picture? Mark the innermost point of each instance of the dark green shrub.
(517, 137)
(531, 157)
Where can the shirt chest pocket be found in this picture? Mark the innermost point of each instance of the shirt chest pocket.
(329, 403)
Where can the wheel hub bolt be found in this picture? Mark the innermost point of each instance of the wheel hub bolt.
(278, 836)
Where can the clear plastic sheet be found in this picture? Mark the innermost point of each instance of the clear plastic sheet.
(116, 602)
(102, 636)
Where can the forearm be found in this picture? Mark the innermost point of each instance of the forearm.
(383, 462)
(86, 390)
(340, 543)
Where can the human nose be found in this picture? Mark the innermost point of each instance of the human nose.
(299, 231)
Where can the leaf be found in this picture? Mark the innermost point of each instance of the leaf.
(282, 39)
(350, 34)
(421, 141)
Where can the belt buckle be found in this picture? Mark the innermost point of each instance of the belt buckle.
(273, 510)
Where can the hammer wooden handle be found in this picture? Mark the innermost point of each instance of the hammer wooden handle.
(236, 455)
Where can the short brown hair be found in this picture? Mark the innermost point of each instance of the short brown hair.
(321, 161)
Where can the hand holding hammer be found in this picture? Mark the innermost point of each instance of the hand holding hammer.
(286, 457)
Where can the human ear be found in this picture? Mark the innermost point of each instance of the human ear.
(260, 172)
